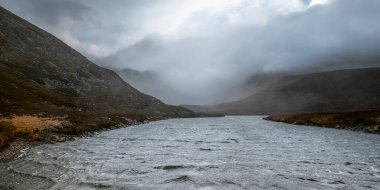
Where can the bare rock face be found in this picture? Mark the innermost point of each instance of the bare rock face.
(40, 73)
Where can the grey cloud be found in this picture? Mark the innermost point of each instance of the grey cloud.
(203, 67)
(339, 35)
(51, 13)
(78, 23)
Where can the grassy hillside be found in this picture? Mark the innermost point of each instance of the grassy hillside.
(41, 76)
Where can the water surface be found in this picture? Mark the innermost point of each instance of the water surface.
(205, 153)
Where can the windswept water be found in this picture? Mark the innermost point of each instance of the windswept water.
(203, 153)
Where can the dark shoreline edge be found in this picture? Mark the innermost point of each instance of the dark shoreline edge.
(19, 145)
(367, 121)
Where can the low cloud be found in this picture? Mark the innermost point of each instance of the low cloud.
(204, 49)
(337, 35)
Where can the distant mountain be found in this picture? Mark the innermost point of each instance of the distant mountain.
(151, 83)
(141, 80)
(39, 74)
(340, 90)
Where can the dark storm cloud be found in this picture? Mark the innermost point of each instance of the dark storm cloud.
(87, 25)
(339, 35)
(342, 34)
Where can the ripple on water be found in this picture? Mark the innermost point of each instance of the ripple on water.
(206, 153)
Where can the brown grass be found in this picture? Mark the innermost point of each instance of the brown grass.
(7, 133)
(364, 120)
(31, 126)
(40, 128)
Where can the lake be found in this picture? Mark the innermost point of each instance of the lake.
(242, 152)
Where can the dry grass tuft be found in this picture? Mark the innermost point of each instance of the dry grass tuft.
(31, 126)
(7, 133)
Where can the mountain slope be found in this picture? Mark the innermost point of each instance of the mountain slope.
(39, 74)
(341, 90)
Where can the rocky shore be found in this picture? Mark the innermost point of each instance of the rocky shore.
(364, 120)
(26, 131)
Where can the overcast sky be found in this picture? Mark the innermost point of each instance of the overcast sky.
(203, 47)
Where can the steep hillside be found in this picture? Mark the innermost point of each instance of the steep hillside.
(341, 90)
(41, 75)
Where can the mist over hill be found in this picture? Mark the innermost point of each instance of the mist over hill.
(152, 83)
(340, 90)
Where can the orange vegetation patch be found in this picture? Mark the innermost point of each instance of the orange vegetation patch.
(32, 126)
(29, 123)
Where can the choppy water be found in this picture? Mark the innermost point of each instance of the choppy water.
(206, 153)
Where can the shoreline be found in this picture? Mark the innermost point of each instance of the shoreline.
(364, 120)
(20, 145)
(69, 128)
(367, 121)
